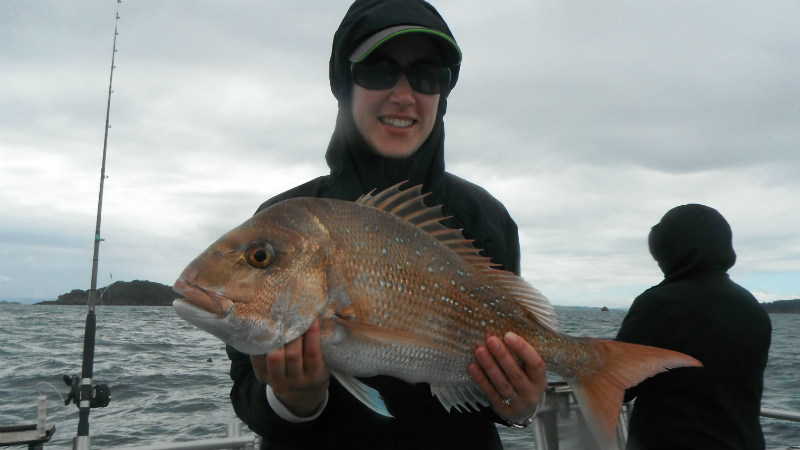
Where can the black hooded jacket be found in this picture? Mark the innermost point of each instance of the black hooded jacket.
(699, 311)
(419, 421)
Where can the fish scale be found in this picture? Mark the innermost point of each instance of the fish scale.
(405, 295)
(397, 293)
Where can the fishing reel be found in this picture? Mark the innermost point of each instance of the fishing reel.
(101, 394)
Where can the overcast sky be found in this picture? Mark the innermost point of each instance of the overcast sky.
(589, 120)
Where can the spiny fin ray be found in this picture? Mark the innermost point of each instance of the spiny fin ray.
(408, 205)
(460, 397)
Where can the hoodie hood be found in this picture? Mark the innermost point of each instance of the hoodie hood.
(367, 17)
(691, 239)
(355, 167)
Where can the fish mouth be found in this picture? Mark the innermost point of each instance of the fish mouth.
(214, 313)
(203, 299)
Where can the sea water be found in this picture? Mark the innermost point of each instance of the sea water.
(169, 380)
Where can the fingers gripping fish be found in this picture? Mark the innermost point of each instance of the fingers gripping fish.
(397, 293)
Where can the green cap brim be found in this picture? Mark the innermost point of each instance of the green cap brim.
(452, 51)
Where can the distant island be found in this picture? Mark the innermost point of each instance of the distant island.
(783, 307)
(127, 293)
(149, 293)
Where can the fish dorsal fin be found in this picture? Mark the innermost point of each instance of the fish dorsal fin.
(528, 296)
(408, 205)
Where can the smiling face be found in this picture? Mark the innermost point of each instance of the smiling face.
(396, 121)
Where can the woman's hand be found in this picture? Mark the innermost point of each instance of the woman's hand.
(296, 372)
(513, 388)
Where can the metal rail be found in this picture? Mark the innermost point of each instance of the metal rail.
(560, 403)
(245, 443)
(793, 416)
(541, 438)
(234, 440)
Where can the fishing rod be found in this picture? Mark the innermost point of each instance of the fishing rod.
(86, 396)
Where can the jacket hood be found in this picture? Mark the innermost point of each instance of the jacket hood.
(356, 168)
(691, 239)
(367, 17)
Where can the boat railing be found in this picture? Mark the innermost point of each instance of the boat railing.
(560, 402)
(233, 441)
(793, 416)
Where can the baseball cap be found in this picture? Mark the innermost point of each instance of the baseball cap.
(451, 51)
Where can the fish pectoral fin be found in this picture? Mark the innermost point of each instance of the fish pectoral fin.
(384, 335)
(365, 394)
(460, 397)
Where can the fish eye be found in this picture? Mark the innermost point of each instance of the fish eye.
(259, 255)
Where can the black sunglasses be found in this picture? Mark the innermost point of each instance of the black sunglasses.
(423, 77)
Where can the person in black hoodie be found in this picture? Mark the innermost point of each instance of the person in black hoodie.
(392, 67)
(699, 311)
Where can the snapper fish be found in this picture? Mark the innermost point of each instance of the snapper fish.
(397, 293)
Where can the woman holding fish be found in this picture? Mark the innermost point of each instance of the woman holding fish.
(392, 67)
(376, 323)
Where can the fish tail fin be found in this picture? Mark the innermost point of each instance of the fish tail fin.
(600, 392)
